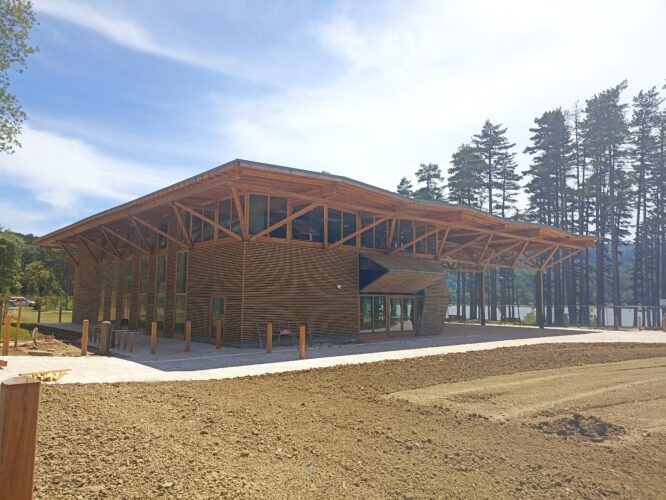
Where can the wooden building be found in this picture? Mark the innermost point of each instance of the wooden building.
(251, 243)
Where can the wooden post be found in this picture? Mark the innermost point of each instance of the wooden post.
(188, 334)
(39, 312)
(19, 405)
(105, 338)
(218, 333)
(269, 337)
(6, 334)
(84, 337)
(18, 326)
(153, 337)
(542, 307)
(640, 323)
(663, 321)
(301, 342)
(60, 315)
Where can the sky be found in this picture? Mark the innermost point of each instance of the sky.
(126, 97)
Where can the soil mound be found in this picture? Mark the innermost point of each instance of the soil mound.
(591, 428)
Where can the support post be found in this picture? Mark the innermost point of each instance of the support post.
(218, 333)
(60, 315)
(188, 334)
(19, 406)
(18, 326)
(663, 321)
(84, 337)
(541, 313)
(105, 338)
(39, 312)
(6, 334)
(640, 323)
(482, 299)
(301, 342)
(153, 337)
(269, 337)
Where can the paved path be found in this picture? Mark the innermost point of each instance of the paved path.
(206, 363)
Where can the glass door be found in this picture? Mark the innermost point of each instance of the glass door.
(395, 314)
(217, 313)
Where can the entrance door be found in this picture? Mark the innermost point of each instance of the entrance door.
(217, 312)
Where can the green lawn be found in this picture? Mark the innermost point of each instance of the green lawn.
(29, 315)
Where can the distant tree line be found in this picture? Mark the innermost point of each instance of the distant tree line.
(27, 269)
(597, 169)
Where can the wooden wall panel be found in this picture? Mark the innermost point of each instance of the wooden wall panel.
(292, 283)
(435, 305)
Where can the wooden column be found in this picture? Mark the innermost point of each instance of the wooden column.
(84, 337)
(301, 342)
(18, 326)
(218, 333)
(153, 337)
(19, 405)
(105, 338)
(269, 337)
(6, 334)
(188, 334)
(39, 312)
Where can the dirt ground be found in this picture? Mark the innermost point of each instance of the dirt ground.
(51, 345)
(460, 425)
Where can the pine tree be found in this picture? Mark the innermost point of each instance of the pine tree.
(430, 176)
(405, 187)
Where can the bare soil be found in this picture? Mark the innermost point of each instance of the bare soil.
(48, 344)
(354, 432)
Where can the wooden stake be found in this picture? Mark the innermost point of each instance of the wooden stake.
(18, 326)
(60, 315)
(153, 337)
(188, 334)
(39, 313)
(19, 405)
(105, 338)
(84, 337)
(301, 342)
(6, 334)
(269, 337)
(218, 333)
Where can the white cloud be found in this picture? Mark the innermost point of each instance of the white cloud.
(66, 173)
(421, 77)
(125, 32)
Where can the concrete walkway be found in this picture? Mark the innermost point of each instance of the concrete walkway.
(206, 363)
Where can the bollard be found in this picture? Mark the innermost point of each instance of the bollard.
(105, 338)
(19, 406)
(84, 337)
(188, 334)
(18, 326)
(153, 337)
(301, 342)
(60, 315)
(5, 336)
(218, 334)
(269, 337)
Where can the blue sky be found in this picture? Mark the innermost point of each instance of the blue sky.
(127, 97)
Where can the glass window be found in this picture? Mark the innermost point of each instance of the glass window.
(367, 237)
(408, 314)
(381, 235)
(181, 272)
(405, 235)
(160, 286)
(349, 227)
(162, 240)
(309, 226)
(258, 213)
(366, 314)
(181, 312)
(186, 218)
(208, 232)
(431, 243)
(235, 219)
(143, 270)
(420, 230)
(224, 217)
(277, 212)
(379, 316)
(396, 314)
(197, 229)
(334, 225)
(159, 311)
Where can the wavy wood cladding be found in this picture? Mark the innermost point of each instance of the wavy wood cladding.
(435, 305)
(86, 291)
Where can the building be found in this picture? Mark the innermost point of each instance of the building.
(251, 243)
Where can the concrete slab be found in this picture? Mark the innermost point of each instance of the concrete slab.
(204, 362)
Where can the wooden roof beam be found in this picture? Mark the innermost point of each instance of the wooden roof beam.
(462, 247)
(123, 239)
(358, 232)
(139, 231)
(416, 240)
(91, 254)
(242, 216)
(88, 241)
(440, 252)
(207, 220)
(108, 240)
(572, 253)
(69, 253)
(286, 220)
(181, 226)
(157, 230)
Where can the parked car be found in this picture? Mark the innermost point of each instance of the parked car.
(21, 301)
